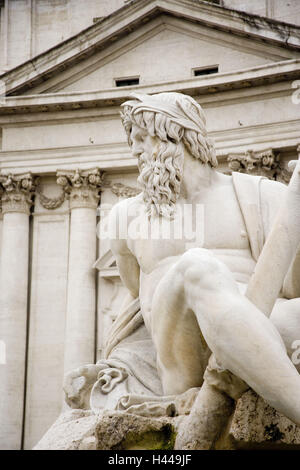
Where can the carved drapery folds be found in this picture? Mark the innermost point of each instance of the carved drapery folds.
(261, 163)
(81, 186)
(17, 192)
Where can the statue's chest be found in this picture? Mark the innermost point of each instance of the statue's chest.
(215, 223)
(224, 225)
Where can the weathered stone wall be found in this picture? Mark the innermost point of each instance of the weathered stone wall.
(29, 27)
(281, 10)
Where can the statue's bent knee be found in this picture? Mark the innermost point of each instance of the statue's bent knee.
(196, 257)
(197, 264)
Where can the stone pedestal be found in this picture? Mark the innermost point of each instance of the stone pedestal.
(111, 430)
(16, 201)
(254, 425)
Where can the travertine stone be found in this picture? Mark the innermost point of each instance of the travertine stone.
(262, 163)
(74, 430)
(48, 292)
(198, 280)
(82, 430)
(17, 192)
(210, 413)
(63, 112)
(82, 187)
(191, 295)
(256, 425)
(16, 202)
(45, 24)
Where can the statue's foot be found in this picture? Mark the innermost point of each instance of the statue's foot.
(208, 418)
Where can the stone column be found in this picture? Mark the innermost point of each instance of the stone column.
(16, 202)
(82, 187)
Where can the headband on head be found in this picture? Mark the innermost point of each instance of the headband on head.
(179, 114)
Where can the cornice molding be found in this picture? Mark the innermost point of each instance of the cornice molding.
(118, 157)
(206, 85)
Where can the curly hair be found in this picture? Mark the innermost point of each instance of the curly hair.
(161, 173)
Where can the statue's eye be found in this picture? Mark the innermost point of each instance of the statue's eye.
(140, 137)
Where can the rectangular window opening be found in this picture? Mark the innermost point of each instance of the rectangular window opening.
(127, 81)
(205, 71)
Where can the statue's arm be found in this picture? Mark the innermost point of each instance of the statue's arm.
(126, 262)
(272, 194)
(291, 285)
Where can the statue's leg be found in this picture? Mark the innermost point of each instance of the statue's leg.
(286, 317)
(242, 338)
(182, 352)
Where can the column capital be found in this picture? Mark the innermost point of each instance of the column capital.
(17, 192)
(82, 187)
(262, 162)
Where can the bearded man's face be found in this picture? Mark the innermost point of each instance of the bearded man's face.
(160, 165)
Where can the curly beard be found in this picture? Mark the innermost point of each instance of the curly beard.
(160, 178)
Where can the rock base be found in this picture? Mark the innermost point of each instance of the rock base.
(254, 425)
(117, 430)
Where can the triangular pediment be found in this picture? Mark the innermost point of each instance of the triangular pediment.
(151, 54)
(156, 41)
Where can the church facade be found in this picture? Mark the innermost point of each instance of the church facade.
(64, 159)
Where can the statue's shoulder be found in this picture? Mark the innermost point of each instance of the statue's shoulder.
(126, 204)
(266, 187)
(272, 191)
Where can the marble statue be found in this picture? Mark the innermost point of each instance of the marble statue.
(216, 313)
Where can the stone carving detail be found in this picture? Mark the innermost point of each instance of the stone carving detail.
(17, 192)
(121, 190)
(82, 187)
(48, 202)
(283, 175)
(260, 163)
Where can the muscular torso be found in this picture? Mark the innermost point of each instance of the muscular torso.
(222, 230)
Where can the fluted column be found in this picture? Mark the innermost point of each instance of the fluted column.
(83, 187)
(16, 201)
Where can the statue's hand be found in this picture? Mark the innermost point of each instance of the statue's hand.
(78, 384)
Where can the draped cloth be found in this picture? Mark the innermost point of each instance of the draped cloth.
(185, 117)
(248, 193)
